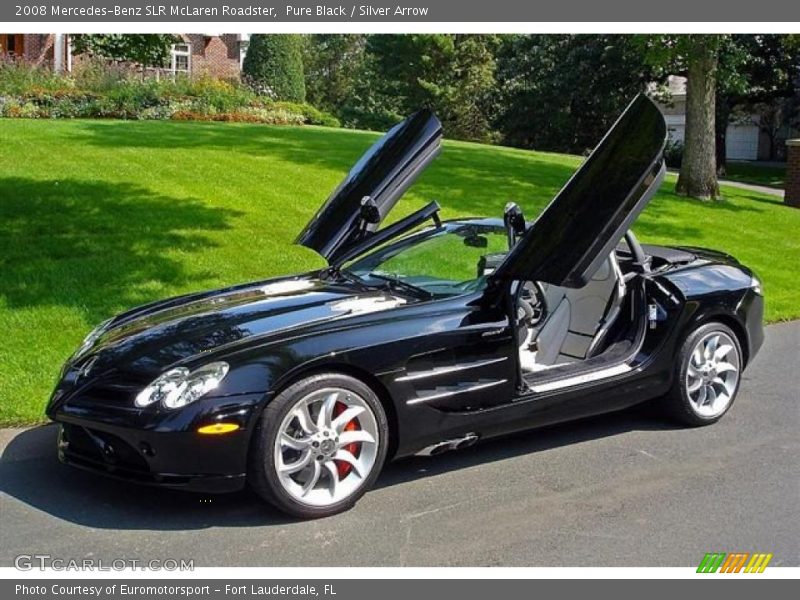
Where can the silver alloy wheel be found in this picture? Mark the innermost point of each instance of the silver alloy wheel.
(326, 446)
(713, 374)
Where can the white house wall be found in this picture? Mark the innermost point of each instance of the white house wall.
(741, 140)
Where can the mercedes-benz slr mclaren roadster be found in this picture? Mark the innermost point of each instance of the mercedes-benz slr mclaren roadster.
(418, 337)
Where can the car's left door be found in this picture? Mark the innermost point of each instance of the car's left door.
(588, 217)
(463, 360)
(353, 212)
(460, 354)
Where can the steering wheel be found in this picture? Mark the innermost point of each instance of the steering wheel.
(529, 305)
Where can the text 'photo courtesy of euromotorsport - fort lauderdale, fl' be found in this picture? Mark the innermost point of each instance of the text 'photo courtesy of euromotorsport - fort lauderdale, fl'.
(169, 590)
(365, 300)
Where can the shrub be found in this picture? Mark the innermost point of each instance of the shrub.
(274, 66)
(673, 154)
(64, 103)
(311, 115)
(18, 76)
(375, 119)
(223, 96)
(99, 75)
(270, 116)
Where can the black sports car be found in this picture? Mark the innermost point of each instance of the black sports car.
(418, 338)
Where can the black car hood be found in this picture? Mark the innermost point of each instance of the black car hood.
(145, 341)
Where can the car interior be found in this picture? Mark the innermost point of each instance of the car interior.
(561, 329)
(562, 325)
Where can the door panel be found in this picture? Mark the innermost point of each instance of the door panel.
(383, 173)
(463, 369)
(591, 213)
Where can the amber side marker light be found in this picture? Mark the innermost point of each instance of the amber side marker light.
(218, 428)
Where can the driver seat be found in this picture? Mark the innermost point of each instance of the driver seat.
(578, 318)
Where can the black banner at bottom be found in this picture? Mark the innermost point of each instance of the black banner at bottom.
(385, 589)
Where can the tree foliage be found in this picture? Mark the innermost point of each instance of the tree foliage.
(750, 74)
(149, 50)
(761, 76)
(562, 92)
(274, 66)
(452, 75)
(549, 92)
(333, 64)
(374, 80)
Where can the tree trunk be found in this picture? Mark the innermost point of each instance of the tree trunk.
(698, 176)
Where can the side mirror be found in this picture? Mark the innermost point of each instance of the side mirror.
(369, 212)
(514, 221)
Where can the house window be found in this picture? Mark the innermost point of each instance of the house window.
(11, 43)
(181, 58)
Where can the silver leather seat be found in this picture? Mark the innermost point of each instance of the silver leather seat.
(576, 317)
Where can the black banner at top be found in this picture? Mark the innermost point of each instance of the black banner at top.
(408, 11)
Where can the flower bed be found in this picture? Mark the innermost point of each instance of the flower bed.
(101, 91)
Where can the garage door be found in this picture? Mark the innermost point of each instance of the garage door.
(676, 127)
(741, 142)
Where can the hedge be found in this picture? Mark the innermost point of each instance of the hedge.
(274, 66)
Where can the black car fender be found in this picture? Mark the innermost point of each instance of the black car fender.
(706, 301)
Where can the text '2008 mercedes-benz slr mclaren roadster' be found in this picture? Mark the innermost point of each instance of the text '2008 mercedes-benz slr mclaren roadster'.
(419, 337)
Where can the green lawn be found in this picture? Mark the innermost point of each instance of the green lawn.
(768, 175)
(99, 216)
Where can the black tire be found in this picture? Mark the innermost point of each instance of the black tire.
(262, 475)
(677, 404)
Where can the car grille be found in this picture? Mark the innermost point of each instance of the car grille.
(112, 390)
(100, 450)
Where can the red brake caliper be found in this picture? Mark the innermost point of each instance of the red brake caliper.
(353, 448)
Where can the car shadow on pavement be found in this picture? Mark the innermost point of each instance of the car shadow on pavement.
(31, 474)
(639, 418)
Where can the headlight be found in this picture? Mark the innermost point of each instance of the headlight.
(755, 285)
(179, 387)
(90, 339)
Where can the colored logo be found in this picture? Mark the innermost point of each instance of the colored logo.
(736, 562)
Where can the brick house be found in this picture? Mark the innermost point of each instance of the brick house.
(36, 48)
(216, 54)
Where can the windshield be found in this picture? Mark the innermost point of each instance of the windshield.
(439, 261)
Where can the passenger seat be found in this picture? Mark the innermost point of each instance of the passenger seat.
(576, 316)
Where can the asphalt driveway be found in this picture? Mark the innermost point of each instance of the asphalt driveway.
(624, 489)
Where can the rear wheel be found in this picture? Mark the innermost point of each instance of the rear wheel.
(707, 375)
(319, 446)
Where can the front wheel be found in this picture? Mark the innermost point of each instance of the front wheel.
(319, 446)
(707, 375)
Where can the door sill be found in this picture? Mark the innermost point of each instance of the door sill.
(591, 376)
(613, 362)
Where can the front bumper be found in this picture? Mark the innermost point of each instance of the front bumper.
(166, 454)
